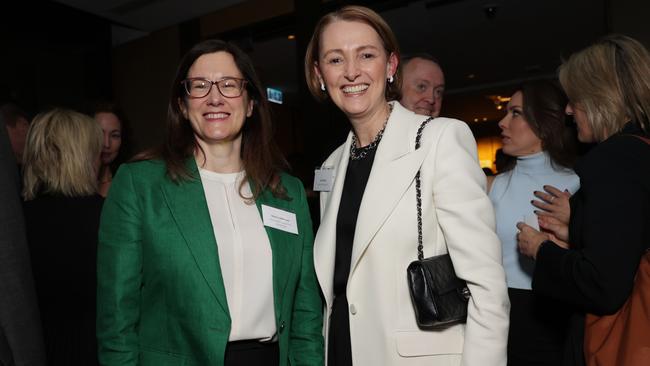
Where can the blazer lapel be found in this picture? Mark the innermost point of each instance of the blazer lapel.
(393, 171)
(187, 204)
(325, 240)
(283, 252)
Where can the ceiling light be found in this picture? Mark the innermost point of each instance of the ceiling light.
(498, 101)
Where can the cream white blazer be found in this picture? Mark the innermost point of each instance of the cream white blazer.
(457, 217)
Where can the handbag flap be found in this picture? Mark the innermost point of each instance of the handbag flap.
(441, 274)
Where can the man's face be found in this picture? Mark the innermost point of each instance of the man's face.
(423, 87)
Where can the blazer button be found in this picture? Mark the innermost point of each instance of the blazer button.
(281, 326)
(353, 309)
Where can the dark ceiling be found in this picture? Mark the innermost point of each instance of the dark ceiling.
(485, 46)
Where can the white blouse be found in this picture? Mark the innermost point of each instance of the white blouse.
(244, 256)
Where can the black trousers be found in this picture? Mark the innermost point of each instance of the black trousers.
(252, 353)
(538, 328)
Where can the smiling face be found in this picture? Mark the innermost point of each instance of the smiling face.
(112, 141)
(353, 65)
(215, 119)
(516, 135)
(423, 86)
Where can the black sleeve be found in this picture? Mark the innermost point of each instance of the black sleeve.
(20, 330)
(611, 222)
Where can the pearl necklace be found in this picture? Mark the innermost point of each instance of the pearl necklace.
(358, 153)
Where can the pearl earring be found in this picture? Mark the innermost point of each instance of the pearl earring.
(390, 79)
(322, 86)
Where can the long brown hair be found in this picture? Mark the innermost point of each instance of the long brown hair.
(543, 109)
(544, 105)
(261, 157)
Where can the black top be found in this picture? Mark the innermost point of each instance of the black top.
(356, 177)
(609, 231)
(62, 236)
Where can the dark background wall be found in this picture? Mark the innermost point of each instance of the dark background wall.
(55, 55)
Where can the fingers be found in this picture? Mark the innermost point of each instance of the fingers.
(543, 205)
(556, 192)
(554, 226)
(522, 225)
(558, 242)
(529, 239)
(541, 213)
(546, 197)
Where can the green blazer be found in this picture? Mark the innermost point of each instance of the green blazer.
(160, 294)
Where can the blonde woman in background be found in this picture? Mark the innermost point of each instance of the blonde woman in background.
(608, 85)
(62, 212)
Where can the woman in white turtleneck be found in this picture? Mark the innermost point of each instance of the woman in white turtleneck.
(535, 135)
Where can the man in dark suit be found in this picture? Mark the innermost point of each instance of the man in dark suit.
(21, 342)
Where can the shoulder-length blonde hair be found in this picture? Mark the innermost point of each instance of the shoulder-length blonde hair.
(610, 81)
(61, 154)
(352, 13)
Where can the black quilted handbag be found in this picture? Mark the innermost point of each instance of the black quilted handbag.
(439, 297)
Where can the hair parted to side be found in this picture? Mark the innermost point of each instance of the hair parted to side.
(610, 81)
(544, 105)
(61, 153)
(261, 157)
(360, 14)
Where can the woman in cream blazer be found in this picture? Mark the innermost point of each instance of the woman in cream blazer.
(352, 59)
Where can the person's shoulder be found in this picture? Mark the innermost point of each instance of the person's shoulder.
(152, 168)
(447, 129)
(617, 150)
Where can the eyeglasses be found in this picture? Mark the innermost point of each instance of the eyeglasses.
(200, 87)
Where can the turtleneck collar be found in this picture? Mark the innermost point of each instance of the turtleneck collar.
(534, 163)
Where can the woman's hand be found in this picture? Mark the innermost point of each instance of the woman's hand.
(553, 226)
(554, 203)
(529, 240)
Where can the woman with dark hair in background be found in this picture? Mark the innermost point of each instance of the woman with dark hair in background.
(112, 121)
(62, 212)
(608, 85)
(205, 249)
(369, 229)
(534, 132)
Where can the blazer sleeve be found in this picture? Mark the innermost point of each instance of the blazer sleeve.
(466, 218)
(21, 340)
(119, 272)
(611, 226)
(306, 339)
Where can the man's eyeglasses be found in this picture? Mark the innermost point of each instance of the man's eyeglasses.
(200, 87)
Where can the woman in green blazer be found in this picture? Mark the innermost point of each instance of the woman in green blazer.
(205, 248)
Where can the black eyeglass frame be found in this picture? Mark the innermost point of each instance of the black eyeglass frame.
(214, 83)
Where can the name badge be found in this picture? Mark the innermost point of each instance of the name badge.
(323, 179)
(279, 219)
